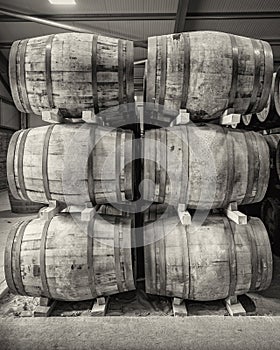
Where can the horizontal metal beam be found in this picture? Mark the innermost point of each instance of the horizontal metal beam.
(97, 17)
(89, 17)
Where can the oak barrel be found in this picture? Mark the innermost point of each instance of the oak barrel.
(74, 163)
(5, 136)
(61, 260)
(277, 160)
(246, 119)
(207, 262)
(205, 166)
(208, 72)
(271, 112)
(71, 72)
(270, 215)
(273, 141)
(23, 207)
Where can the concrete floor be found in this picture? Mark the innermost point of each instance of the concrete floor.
(141, 333)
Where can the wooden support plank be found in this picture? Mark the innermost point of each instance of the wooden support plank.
(179, 307)
(88, 214)
(87, 211)
(182, 118)
(184, 215)
(44, 311)
(235, 215)
(90, 117)
(52, 116)
(54, 208)
(230, 118)
(234, 307)
(100, 306)
(45, 301)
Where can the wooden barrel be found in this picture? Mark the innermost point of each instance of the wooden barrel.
(23, 207)
(270, 215)
(72, 72)
(208, 72)
(5, 136)
(277, 160)
(273, 141)
(277, 92)
(271, 112)
(208, 262)
(246, 119)
(61, 260)
(205, 166)
(74, 163)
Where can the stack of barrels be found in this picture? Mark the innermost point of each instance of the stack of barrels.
(74, 164)
(269, 117)
(201, 166)
(205, 167)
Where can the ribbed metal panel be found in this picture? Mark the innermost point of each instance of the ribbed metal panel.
(138, 6)
(94, 6)
(233, 6)
(134, 30)
(140, 29)
(257, 28)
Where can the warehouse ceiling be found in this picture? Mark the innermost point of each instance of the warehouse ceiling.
(139, 19)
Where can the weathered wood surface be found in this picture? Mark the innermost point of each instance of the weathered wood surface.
(271, 112)
(273, 141)
(23, 206)
(270, 214)
(72, 72)
(74, 164)
(246, 119)
(62, 260)
(277, 160)
(207, 73)
(205, 166)
(208, 262)
(5, 136)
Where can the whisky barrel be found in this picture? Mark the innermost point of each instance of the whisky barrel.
(23, 207)
(273, 141)
(74, 163)
(205, 166)
(208, 72)
(207, 262)
(277, 160)
(71, 72)
(246, 119)
(270, 215)
(61, 260)
(5, 136)
(271, 112)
